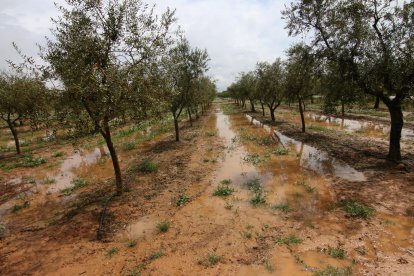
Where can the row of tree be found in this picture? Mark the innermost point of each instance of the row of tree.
(108, 60)
(356, 49)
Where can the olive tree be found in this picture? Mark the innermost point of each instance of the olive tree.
(22, 97)
(371, 40)
(270, 84)
(184, 67)
(103, 53)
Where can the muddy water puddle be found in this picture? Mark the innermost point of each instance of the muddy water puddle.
(366, 128)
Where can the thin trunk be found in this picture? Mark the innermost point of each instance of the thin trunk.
(272, 112)
(301, 114)
(397, 122)
(106, 133)
(189, 116)
(263, 110)
(377, 102)
(196, 113)
(252, 109)
(15, 136)
(177, 130)
(343, 109)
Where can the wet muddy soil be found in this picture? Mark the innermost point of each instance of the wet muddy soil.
(236, 197)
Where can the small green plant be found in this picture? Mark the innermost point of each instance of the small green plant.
(226, 181)
(284, 207)
(291, 239)
(258, 199)
(338, 253)
(79, 183)
(223, 190)
(156, 255)
(112, 251)
(18, 207)
(182, 200)
(253, 158)
(67, 191)
(58, 154)
(334, 271)
(210, 260)
(147, 166)
(317, 128)
(280, 152)
(211, 133)
(131, 243)
(356, 209)
(163, 226)
(2, 231)
(127, 146)
(306, 186)
(49, 181)
(269, 267)
(248, 235)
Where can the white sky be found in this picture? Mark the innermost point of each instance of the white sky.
(236, 33)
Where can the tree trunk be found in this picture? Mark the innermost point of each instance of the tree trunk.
(252, 109)
(243, 104)
(377, 102)
(343, 109)
(196, 113)
(301, 114)
(106, 133)
(397, 122)
(177, 130)
(190, 117)
(263, 110)
(15, 136)
(272, 113)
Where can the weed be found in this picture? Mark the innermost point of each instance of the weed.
(18, 207)
(49, 181)
(356, 209)
(280, 152)
(206, 160)
(126, 146)
(2, 231)
(223, 190)
(226, 181)
(67, 191)
(291, 239)
(210, 260)
(163, 226)
(338, 253)
(306, 186)
(131, 243)
(388, 222)
(228, 205)
(58, 154)
(77, 183)
(269, 267)
(317, 128)
(284, 207)
(156, 255)
(147, 166)
(112, 251)
(182, 200)
(211, 133)
(334, 271)
(248, 235)
(258, 199)
(253, 158)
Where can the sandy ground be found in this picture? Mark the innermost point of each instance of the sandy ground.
(291, 230)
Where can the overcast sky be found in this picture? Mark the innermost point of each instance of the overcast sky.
(236, 33)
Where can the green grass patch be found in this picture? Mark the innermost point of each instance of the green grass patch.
(49, 181)
(58, 154)
(77, 184)
(288, 240)
(112, 251)
(131, 243)
(226, 181)
(210, 260)
(280, 152)
(18, 207)
(223, 190)
(356, 209)
(253, 158)
(306, 186)
(156, 255)
(334, 271)
(182, 200)
(284, 207)
(147, 167)
(163, 226)
(127, 146)
(338, 253)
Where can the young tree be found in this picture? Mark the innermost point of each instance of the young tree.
(183, 69)
(270, 84)
(22, 97)
(103, 52)
(300, 76)
(373, 41)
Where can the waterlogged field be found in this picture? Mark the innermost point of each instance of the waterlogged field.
(238, 195)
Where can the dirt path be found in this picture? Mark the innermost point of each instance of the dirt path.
(280, 214)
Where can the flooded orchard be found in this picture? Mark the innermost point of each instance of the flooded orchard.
(237, 197)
